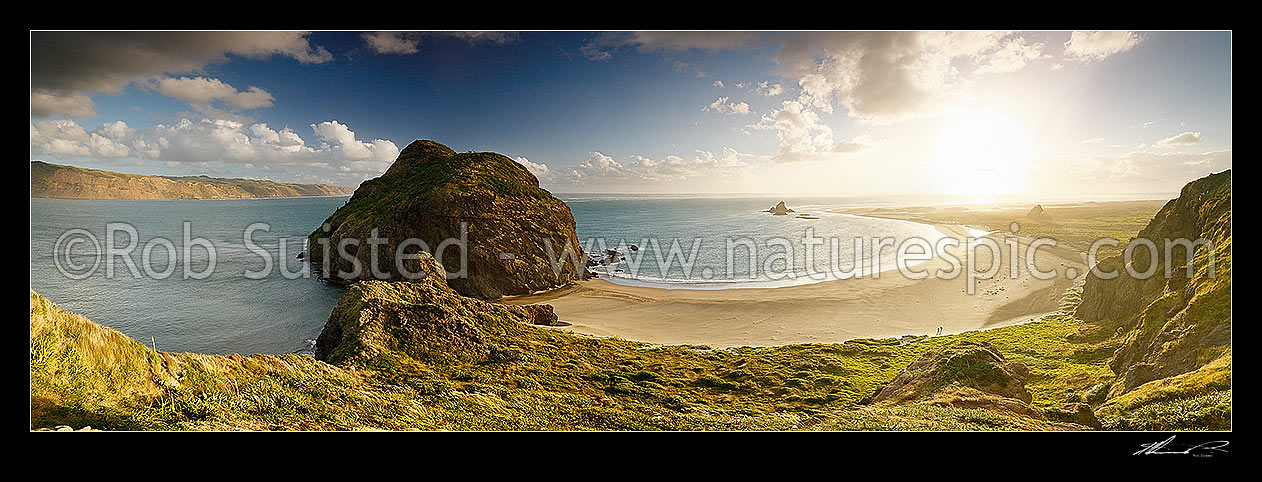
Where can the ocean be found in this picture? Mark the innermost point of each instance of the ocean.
(731, 243)
(683, 243)
(224, 313)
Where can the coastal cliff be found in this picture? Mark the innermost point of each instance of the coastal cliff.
(517, 235)
(68, 182)
(1177, 324)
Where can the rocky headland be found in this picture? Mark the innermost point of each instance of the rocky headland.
(518, 238)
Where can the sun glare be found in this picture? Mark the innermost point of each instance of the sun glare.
(981, 154)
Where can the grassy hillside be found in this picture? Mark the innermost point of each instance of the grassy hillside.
(69, 182)
(529, 378)
(538, 378)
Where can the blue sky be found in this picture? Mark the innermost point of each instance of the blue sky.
(818, 112)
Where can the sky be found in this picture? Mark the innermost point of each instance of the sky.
(833, 113)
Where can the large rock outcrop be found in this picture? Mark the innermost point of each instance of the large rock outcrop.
(1173, 324)
(779, 209)
(517, 237)
(966, 375)
(385, 325)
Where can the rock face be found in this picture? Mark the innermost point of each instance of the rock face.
(441, 198)
(67, 182)
(1173, 324)
(384, 324)
(779, 209)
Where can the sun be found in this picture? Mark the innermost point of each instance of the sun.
(982, 153)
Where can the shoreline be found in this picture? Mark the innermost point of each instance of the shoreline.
(943, 230)
(877, 305)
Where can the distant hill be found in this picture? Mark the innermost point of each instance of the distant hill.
(69, 182)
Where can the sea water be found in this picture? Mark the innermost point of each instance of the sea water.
(222, 314)
(732, 242)
(227, 312)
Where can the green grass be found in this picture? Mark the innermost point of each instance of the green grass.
(536, 379)
(1197, 400)
(1210, 411)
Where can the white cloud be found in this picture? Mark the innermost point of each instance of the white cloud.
(600, 164)
(540, 170)
(202, 92)
(1011, 57)
(718, 83)
(764, 88)
(338, 156)
(340, 140)
(1184, 139)
(884, 77)
(600, 169)
(59, 136)
(876, 76)
(284, 139)
(722, 106)
(769, 90)
(392, 42)
(1089, 46)
(803, 137)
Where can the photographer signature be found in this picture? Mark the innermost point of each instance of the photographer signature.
(1165, 447)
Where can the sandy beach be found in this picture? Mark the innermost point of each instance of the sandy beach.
(888, 305)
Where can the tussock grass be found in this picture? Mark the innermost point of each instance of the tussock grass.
(87, 374)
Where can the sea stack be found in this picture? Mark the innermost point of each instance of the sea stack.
(780, 209)
(1035, 212)
(483, 200)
